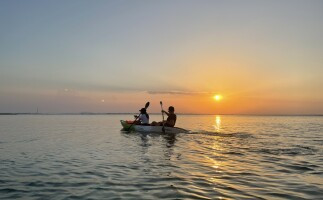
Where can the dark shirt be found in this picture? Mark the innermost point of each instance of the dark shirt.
(170, 118)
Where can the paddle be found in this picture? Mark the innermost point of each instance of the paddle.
(146, 106)
(161, 105)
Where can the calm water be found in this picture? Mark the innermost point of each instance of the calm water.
(229, 157)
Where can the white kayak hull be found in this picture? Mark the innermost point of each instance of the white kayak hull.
(151, 129)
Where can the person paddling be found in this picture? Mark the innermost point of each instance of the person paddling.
(171, 119)
(143, 117)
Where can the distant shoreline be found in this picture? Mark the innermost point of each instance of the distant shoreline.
(88, 113)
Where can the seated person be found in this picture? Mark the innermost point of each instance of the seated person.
(143, 117)
(171, 119)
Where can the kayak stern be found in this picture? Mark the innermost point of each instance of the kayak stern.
(126, 125)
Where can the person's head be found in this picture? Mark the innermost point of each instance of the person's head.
(171, 109)
(143, 111)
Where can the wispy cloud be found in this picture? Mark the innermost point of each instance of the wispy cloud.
(190, 93)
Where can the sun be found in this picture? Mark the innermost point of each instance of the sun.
(217, 97)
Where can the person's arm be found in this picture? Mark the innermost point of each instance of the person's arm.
(165, 112)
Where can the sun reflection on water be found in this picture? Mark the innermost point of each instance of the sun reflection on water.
(217, 125)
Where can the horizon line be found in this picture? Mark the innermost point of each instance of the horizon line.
(131, 113)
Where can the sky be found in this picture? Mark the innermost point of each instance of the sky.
(262, 57)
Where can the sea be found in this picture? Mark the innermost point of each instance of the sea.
(222, 157)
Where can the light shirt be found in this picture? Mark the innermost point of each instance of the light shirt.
(143, 118)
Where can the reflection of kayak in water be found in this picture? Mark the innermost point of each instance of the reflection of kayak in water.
(153, 129)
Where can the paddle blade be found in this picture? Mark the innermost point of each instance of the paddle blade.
(147, 105)
(161, 103)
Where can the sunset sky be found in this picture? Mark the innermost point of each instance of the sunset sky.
(262, 57)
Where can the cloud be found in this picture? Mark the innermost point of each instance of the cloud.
(190, 93)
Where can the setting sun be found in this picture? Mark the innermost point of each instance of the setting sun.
(217, 97)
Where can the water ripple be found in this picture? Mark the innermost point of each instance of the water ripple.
(228, 157)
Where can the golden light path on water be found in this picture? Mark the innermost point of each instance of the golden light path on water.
(215, 156)
(212, 162)
(217, 125)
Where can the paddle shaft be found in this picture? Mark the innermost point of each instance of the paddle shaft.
(134, 122)
(161, 105)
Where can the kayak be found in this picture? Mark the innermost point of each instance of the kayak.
(151, 129)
